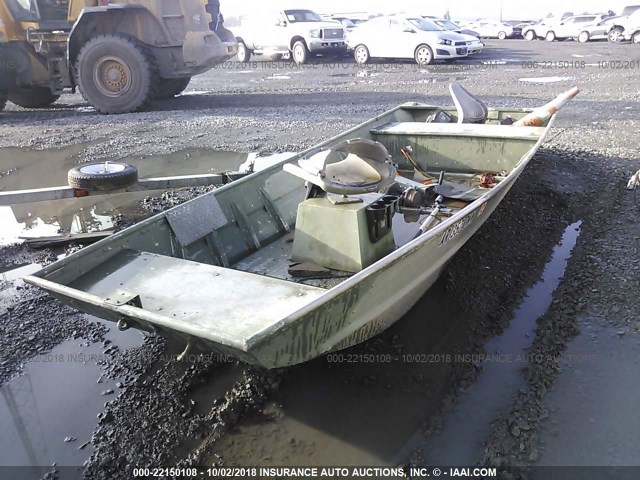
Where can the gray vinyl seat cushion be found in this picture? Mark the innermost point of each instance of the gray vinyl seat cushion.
(351, 167)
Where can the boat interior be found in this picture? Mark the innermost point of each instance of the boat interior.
(247, 255)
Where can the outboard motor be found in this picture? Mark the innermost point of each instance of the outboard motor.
(470, 109)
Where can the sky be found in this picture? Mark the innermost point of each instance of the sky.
(459, 9)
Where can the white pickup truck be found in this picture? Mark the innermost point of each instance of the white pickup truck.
(299, 33)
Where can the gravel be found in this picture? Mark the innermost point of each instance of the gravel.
(579, 175)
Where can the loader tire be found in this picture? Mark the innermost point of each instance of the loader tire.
(102, 176)
(171, 87)
(34, 97)
(116, 74)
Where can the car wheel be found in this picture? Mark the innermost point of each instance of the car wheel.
(530, 35)
(33, 97)
(300, 52)
(635, 38)
(102, 176)
(615, 35)
(502, 35)
(423, 55)
(115, 74)
(550, 36)
(361, 55)
(244, 54)
(583, 37)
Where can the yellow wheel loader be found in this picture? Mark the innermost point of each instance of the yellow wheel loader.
(120, 54)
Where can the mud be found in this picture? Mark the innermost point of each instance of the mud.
(212, 410)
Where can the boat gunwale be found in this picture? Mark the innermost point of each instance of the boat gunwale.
(246, 344)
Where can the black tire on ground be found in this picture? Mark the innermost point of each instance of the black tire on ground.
(550, 36)
(502, 35)
(3, 99)
(583, 37)
(361, 55)
(34, 97)
(423, 55)
(170, 87)
(530, 35)
(102, 176)
(635, 38)
(300, 53)
(244, 54)
(116, 74)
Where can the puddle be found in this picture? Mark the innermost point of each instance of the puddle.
(469, 422)
(22, 169)
(216, 385)
(546, 79)
(597, 391)
(80, 215)
(196, 92)
(278, 77)
(57, 397)
(18, 272)
(263, 162)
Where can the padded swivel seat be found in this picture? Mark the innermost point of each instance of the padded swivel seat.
(470, 109)
(352, 167)
(334, 231)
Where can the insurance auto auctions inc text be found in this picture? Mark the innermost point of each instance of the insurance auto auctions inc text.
(373, 472)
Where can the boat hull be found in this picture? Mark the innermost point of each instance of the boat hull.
(344, 315)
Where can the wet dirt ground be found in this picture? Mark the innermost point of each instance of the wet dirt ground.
(524, 353)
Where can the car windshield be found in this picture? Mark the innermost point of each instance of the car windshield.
(294, 16)
(447, 25)
(425, 24)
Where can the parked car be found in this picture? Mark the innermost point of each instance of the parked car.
(555, 29)
(523, 25)
(632, 32)
(398, 36)
(300, 33)
(623, 28)
(474, 45)
(493, 29)
(451, 26)
(598, 30)
(347, 23)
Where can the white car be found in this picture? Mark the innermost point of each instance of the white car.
(597, 30)
(623, 27)
(626, 26)
(570, 27)
(491, 29)
(474, 45)
(398, 36)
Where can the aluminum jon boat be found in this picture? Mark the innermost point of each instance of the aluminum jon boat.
(317, 253)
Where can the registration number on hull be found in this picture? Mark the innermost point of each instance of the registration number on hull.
(458, 227)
